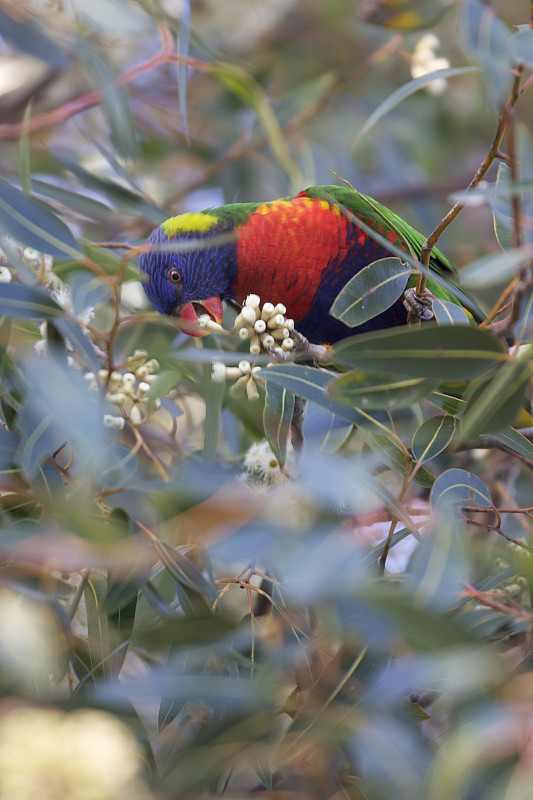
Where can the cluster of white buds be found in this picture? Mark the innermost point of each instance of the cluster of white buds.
(265, 326)
(245, 375)
(425, 61)
(128, 390)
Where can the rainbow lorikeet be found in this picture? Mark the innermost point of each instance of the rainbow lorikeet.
(299, 251)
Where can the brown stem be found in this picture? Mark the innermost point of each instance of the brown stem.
(483, 168)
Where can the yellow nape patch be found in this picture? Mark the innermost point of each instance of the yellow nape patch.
(192, 222)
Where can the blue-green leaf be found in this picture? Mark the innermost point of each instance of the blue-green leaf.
(372, 290)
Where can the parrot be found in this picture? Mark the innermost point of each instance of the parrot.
(299, 251)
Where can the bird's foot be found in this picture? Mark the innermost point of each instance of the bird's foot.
(420, 306)
(302, 350)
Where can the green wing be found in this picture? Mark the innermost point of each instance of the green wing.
(373, 212)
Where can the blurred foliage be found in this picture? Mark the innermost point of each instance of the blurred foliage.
(354, 624)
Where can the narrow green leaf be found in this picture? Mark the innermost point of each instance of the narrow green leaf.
(432, 437)
(277, 418)
(24, 152)
(450, 352)
(521, 47)
(406, 91)
(371, 391)
(185, 631)
(372, 290)
(515, 441)
(457, 486)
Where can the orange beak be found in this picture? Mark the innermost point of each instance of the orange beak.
(188, 316)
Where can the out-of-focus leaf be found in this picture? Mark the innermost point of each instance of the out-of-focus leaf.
(497, 268)
(395, 457)
(183, 49)
(243, 86)
(277, 418)
(24, 153)
(488, 40)
(371, 391)
(403, 15)
(120, 604)
(439, 567)
(58, 408)
(311, 384)
(515, 441)
(74, 201)
(371, 290)
(492, 404)
(406, 91)
(30, 222)
(115, 104)
(521, 47)
(123, 198)
(432, 437)
(457, 486)
(80, 342)
(29, 38)
(324, 431)
(448, 313)
(185, 631)
(27, 302)
(98, 646)
(451, 352)
(114, 16)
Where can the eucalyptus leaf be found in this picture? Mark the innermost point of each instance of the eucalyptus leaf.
(277, 418)
(457, 486)
(450, 352)
(377, 391)
(372, 290)
(432, 437)
(448, 313)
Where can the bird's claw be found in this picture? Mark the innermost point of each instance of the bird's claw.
(420, 306)
(303, 350)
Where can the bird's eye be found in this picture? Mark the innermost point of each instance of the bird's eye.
(174, 276)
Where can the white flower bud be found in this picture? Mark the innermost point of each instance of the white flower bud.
(218, 372)
(248, 315)
(238, 388)
(143, 388)
(141, 372)
(89, 376)
(118, 398)
(244, 333)
(255, 345)
(289, 323)
(280, 309)
(128, 377)
(157, 403)
(251, 390)
(5, 275)
(287, 344)
(260, 326)
(277, 321)
(102, 374)
(232, 373)
(252, 301)
(111, 421)
(244, 366)
(267, 311)
(267, 340)
(281, 333)
(135, 415)
(153, 365)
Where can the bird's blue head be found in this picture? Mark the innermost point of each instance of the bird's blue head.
(190, 265)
